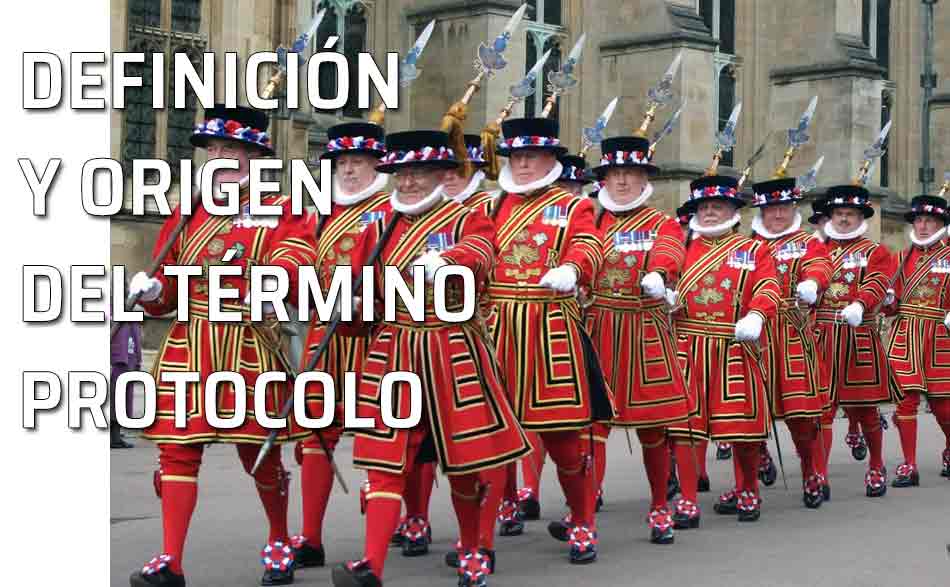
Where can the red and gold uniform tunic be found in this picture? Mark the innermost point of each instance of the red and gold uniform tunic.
(795, 374)
(339, 234)
(206, 347)
(919, 348)
(723, 280)
(855, 359)
(631, 331)
(537, 331)
(471, 425)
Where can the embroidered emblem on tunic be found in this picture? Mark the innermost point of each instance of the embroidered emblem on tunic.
(708, 296)
(521, 255)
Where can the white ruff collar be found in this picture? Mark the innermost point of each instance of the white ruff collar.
(715, 230)
(344, 199)
(759, 228)
(846, 236)
(507, 182)
(420, 207)
(473, 185)
(927, 241)
(610, 204)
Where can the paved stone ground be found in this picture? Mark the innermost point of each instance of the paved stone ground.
(901, 539)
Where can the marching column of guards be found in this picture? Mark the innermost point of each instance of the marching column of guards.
(592, 314)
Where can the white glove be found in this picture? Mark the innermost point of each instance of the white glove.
(853, 313)
(147, 288)
(652, 284)
(808, 291)
(431, 261)
(671, 296)
(562, 279)
(889, 297)
(749, 328)
(946, 320)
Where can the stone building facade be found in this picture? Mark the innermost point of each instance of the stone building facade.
(862, 58)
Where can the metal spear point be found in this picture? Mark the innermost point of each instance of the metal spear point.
(525, 87)
(752, 160)
(490, 59)
(408, 72)
(809, 181)
(667, 129)
(726, 138)
(563, 79)
(946, 184)
(593, 135)
(663, 91)
(799, 136)
(877, 148)
(301, 42)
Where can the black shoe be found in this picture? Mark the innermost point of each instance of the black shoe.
(812, 500)
(811, 492)
(359, 575)
(416, 537)
(860, 452)
(723, 452)
(727, 507)
(749, 516)
(452, 558)
(748, 506)
(583, 545)
(907, 476)
(278, 577)
(309, 556)
(163, 578)
(585, 557)
(513, 527)
(672, 485)
(530, 509)
(875, 483)
(559, 530)
(702, 484)
(120, 442)
(767, 472)
(685, 515)
(661, 526)
(826, 492)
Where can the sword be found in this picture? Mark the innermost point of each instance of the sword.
(663, 132)
(873, 152)
(408, 72)
(301, 43)
(490, 58)
(725, 139)
(659, 95)
(752, 161)
(593, 135)
(563, 79)
(797, 137)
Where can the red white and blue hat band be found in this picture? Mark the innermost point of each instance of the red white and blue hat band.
(521, 142)
(343, 144)
(418, 155)
(476, 154)
(714, 191)
(847, 201)
(928, 209)
(625, 158)
(573, 173)
(232, 129)
(777, 197)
